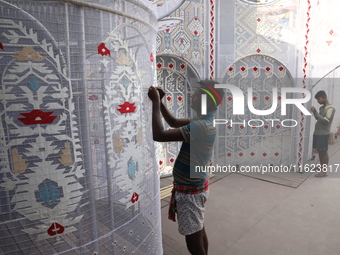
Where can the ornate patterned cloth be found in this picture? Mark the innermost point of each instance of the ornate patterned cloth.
(186, 190)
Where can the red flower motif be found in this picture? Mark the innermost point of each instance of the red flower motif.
(102, 50)
(195, 33)
(267, 68)
(242, 127)
(264, 154)
(331, 32)
(93, 97)
(1, 46)
(230, 127)
(253, 127)
(277, 154)
(255, 68)
(243, 68)
(127, 107)
(151, 57)
(252, 154)
(258, 50)
(258, 19)
(230, 98)
(241, 154)
(167, 30)
(279, 97)
(134, 197)
(172, 160)
(230, 69)
(281, 68)
(179, 98)
(267, 98)
(278, 126)
(266, 126)
(229, 154)
(168, 98)
(159, 65)
(195, 18)
(182, 66)
(254, 98)
(160, 162)
(171, 65)
(55, 229)
(36, 117)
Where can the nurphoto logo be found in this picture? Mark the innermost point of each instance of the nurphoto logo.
(239, 103)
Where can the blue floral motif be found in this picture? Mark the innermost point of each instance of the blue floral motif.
(132, 168)
(33, 84)
(49, 193)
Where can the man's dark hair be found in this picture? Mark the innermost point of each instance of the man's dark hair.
(208, 87)
(320, 93)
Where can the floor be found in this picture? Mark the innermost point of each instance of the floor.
(247, 215)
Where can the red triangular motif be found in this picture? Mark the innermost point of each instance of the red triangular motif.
(55, 228)
(127, 107)
(36, 117)
(102, 50)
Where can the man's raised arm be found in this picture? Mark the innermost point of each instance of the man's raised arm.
(167, 115)
(158, 132)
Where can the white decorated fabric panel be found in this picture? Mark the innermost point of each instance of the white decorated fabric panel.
(251, 139)
(172, 78)
(187, 39)
(178, 79)
(78, 171)
(266, 28)
(40, 147)
(324, 57)
(261, 55)
(32, 143)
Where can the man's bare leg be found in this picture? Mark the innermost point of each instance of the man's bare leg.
(205, 241)
(197, 243)
(324, 159)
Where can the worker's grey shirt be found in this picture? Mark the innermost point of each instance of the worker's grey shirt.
(324, 120)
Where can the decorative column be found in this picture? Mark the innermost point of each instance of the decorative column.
(304, 70)
(212, 39)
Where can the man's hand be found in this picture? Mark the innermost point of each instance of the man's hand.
(313, 109)
(153, 94)
(161, 92)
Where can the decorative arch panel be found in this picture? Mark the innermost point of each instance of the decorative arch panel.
(177, 77)
(254, 139)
